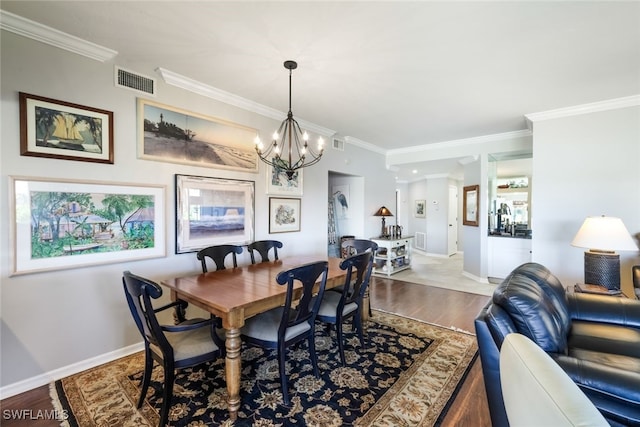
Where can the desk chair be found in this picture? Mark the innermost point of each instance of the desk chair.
(218, 254)
(295, 321)
(173, 346)
(263, 247)
(337, 307)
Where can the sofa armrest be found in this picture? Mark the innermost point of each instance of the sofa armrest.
(604, 309)
(615, 392)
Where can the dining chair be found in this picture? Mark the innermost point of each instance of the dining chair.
(336, 307)
(355, 246)
(294, 321)
(263, 247)
(174, 347)
(218, 254)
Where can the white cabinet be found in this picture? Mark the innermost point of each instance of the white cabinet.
(393, 255)
(506, 253)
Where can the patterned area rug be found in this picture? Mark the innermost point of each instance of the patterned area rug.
(407, 375)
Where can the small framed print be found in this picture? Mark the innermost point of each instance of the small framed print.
(284, 215)
(62, 130)
(420, 209)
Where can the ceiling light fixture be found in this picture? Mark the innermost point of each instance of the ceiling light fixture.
(292, 152)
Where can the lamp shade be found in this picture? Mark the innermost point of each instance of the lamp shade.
(605, 233)
(383, 211)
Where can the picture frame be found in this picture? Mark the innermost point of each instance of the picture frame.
(213, 211)
(470, 205)
(59, 224)
(420, 209)
(174, 135)
(62, 130)
(279, 183)
(284, 215)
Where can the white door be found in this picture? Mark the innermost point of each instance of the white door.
(452, 222)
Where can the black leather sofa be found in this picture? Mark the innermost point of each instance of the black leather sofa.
(594, 338)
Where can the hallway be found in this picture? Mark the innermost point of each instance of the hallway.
(442, 272)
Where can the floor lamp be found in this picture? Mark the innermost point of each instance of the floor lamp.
(603, 236)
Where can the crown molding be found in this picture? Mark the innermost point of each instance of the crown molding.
(200, 88)
(612, 104)
(363, 144)
(462, 142)
(34, 30)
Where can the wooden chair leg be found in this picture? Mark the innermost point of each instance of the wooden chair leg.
(167, 394)
(340, 344)
(146, 376)
(283, 377)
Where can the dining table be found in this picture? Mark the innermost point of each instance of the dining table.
(236, 294)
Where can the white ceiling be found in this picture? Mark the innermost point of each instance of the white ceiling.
(392, 74)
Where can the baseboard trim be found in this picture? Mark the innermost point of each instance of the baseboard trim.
(56, 374)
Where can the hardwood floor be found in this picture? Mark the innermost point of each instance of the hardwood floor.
(430, 304)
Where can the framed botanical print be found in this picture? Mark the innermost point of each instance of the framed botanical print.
(284, 215)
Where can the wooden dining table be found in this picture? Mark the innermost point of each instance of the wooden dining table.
(235, 294)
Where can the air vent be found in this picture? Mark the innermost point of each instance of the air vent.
(137, 82)
(338, 144)
(421, 240)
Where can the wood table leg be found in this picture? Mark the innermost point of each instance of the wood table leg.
(233, 367)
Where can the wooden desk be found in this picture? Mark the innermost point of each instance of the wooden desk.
(236, 294)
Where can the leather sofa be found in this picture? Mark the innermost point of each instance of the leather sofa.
(595, 339)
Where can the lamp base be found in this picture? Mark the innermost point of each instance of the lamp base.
(602, 268)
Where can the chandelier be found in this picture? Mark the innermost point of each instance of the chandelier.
(292, 152)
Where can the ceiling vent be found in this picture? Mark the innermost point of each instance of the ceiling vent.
(337, 144)
(137, 82)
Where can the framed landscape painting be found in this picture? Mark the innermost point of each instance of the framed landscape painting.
(213, 211)
(62, 130)
(169, 134)
(58, 224)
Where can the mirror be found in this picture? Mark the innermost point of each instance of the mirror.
(510, 195)
(470, 205)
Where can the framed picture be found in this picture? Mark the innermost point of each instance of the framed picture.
(62, 130)
(58, 224)
(279, 183)
(420, 210)
(284, 215)
(168, 134)
(341, 200)
(470, 205)
(213, 211)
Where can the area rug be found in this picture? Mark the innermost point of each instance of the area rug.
(407, 374)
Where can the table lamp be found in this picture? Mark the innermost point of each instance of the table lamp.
(383, 212)
(603, 236)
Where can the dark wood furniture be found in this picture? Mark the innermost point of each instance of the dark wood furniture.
(236, 294)
(263, 247)
(218, 254)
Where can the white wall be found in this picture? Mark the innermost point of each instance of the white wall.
(584, 166)
(53, 320)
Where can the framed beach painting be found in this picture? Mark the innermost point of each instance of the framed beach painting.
(169, 134)
(284, 215)
(62, 130)
(213, 211)
(59, 224)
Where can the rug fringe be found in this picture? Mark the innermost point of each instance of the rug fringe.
(57, 405)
